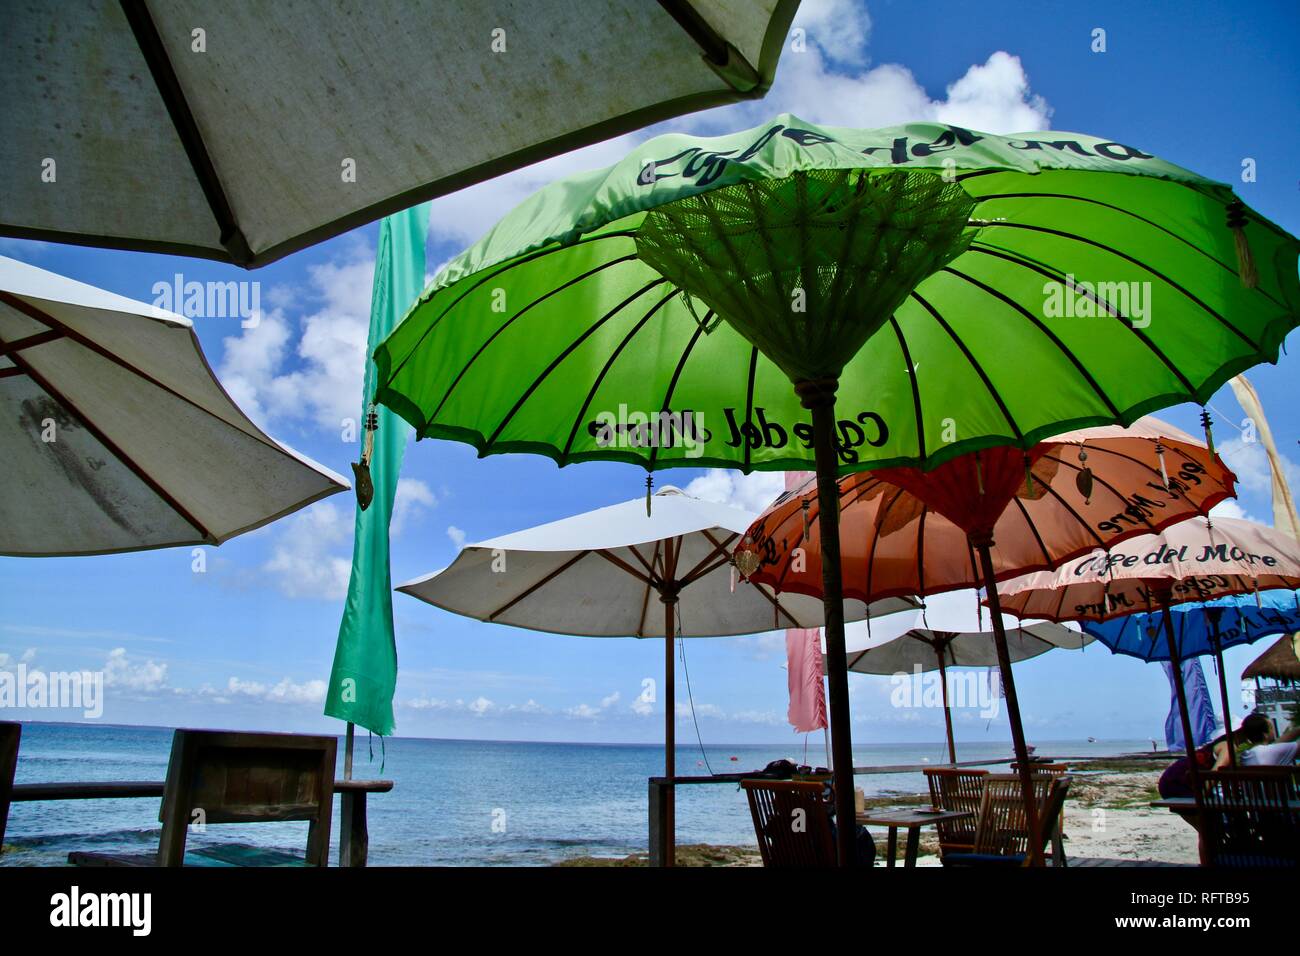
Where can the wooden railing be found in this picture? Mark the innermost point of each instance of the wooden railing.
(354, 835)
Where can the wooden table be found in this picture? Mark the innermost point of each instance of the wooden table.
(1183, 806)
(910, 820)
(354, 837)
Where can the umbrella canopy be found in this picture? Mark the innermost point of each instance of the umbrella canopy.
(948, 630)
(905, 531)
(709, 301)
(1199, 626)
(1194, 560)
(597, 574)
(115, 434)
(602, 573)
(246, 131)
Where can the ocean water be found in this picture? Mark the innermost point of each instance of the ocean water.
(455, 802)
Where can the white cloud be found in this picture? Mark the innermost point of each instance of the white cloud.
(120, 671)
(840, 28)
(588, 712)
(1230, 509)
(457, 537)
(413, 497)
(284, 692)
(752, 492)
(301, 562)
(1250, 462)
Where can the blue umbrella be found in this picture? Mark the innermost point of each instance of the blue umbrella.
(1202, 627)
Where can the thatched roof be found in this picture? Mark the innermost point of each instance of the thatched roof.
(1279, 662)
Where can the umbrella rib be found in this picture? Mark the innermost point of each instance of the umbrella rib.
(572, 346)
(988, 384)
(492, 272)
(652, 579)
(1126, 212)
(777, 604)
(187, 129)
(875, 541)
(540, 584)
(1077, 517)
(595, 386)
(1032, 527)
(648, 565)
(916, 385)
(1127, 323)
(113, 448)
(1042, 327)
(30, 341)
(719, 550)
(1137, 262)
(920, 551)
(672, 383)
(71, 334)
(507, 324)
(1141, 464)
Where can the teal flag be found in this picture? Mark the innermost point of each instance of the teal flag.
(364, 676)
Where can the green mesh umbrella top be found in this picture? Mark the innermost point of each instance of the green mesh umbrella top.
(966, 290)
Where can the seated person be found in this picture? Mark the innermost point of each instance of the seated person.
(1176, 781)
(1273, 751)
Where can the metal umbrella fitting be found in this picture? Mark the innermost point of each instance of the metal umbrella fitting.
(1196, 560)
(989, 515)
(115, 434)
(246, 131)
(949, 632)
(600, 573)
(797, 295)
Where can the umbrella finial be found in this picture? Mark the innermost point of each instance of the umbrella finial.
(1208, 424)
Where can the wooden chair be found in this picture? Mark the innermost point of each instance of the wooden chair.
(953, 789)
(228, 777)
(792, 822)
(1058, 836)
(1252, 817)
(1001, 833)
(10, 733)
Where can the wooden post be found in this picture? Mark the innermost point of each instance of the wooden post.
(983, 544)
(354, 835)
(819, 398)
(1175, 661)
(658, 823)
(1214, 613)
(947, 711)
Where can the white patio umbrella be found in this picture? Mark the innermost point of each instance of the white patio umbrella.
(115, 435)
(246, 131)
(598, 574)
(949, 632)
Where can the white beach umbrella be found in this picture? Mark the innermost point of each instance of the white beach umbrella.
(952, 631)
(245, 131)
(115, 435)
(602, 573)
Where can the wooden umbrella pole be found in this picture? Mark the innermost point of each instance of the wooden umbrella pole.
(819, 398)
(1189, 742)
(947, 710)
(1213, 615)
(668, 595)
(983, 543)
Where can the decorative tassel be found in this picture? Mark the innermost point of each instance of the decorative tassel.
(924, 620)
(361, 470)
(1083, 480)
(1208, 424)
(733, 579)
(1160, 454)
(979, 474)
(1245, 261)
(807, 519)
(649, 490)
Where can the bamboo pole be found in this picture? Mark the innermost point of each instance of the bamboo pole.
(1214, 613)
(947, 711)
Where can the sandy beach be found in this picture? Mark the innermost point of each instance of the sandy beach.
(1107, 816)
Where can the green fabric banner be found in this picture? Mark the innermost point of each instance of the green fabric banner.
(364, 675)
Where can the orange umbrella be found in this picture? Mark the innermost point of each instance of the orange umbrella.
(988, 516)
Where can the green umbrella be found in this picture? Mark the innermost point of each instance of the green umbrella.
(927, 291)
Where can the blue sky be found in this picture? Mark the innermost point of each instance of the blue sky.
(248, 643)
